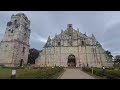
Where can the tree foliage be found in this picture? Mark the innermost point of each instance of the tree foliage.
(117, 59)
(108, 53)
(33, 54)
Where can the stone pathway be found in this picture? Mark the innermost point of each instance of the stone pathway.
(75, 74)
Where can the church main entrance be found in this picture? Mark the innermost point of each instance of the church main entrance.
(71, 61)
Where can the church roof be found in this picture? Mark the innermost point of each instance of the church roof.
(68, 34)
(70, 31)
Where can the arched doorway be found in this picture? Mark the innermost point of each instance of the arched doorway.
(21, 62)
(71, 61)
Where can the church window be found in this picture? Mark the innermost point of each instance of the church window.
(23, 49)
(83, 43)
(24, 33)
(58, 43)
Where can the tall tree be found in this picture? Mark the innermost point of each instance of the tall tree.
(33, 54)
(117, 59)
(109, 55)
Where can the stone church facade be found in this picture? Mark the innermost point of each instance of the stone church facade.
(14, 47)
(72, 48)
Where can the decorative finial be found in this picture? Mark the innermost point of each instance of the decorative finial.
(49, 38)
(56, 35)
(93, 36)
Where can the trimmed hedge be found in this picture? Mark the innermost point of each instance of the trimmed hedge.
(86, 69)
(99, 72)
(96, 71)
(115, 73)
(45, 73)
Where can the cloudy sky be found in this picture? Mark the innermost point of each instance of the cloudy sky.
(105, 25)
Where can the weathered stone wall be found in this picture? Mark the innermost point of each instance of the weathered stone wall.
(15, 43)
(59, 56)
(6, 52)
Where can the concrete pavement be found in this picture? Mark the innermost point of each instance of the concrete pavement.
(73, 73)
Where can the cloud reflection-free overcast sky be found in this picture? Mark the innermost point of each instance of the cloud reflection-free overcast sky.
(105, 25)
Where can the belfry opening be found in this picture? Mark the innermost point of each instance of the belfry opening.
(71, 61)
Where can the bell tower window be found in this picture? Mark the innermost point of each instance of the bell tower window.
(11, 31)
(15, 21)
(23, 49)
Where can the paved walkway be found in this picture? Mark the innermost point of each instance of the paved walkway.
(75, 74)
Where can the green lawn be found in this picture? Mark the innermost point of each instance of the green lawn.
(45, 73)
(5, 73)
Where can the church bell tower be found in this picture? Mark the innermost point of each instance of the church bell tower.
(14, 47)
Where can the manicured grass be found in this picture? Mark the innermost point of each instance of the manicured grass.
(5, 73)
(57, 75)
(41, 73)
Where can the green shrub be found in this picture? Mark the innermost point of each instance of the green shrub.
(96, 71)
(87, 69)
(115, 73)
(44, 73)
